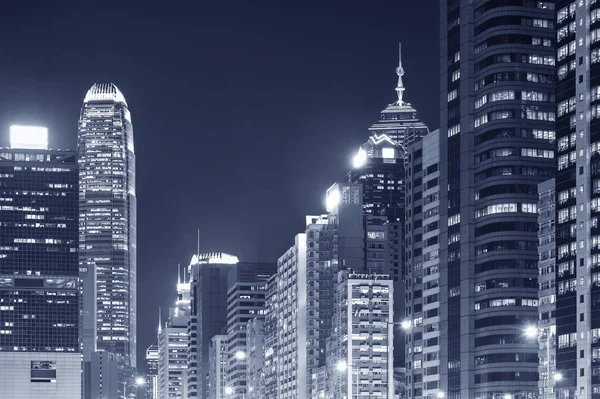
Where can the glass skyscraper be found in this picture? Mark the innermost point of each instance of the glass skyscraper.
(107, 224)
(39, 296)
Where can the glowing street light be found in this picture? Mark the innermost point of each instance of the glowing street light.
(240, 355)
(531, 331)
(140, 381)
(557, 377)
(341, 366)
(441, 395)
(508, 396)
(406, 325)
(228, 391)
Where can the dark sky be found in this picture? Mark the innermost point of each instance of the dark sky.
(244, 112)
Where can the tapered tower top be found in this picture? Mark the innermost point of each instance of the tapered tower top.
(104, 92)
(400, 72)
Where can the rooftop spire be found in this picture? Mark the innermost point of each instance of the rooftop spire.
(159, 320)
(400, 72)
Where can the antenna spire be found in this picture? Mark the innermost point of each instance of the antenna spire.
(400, 72)
(159, 320)
(198, 249)
(178, 273)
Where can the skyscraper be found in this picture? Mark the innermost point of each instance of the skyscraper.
(173, 344)
(152, 374)
(399, 120)
(39, 290)
(107, 224)
(379, 166)
(245, 300)
(497, 131)
(423, 268)
(363, 310)
(578, 199)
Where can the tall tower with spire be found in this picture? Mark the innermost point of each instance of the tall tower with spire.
(399, 120)
(107, 227)
(379, 166)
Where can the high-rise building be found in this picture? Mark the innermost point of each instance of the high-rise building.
(399, 120)
(256, 357)
(39, 289)
(107, 225)
(363, 310)
(577, 193)
(496, 135)
(269, 379)
(287, 320)
(217, 369)
(208, 274)
(422, 323)
(173, 345)
(245, 300)
(380, 166)
(545, 330)
(301, 302)
(151, 384)
(214, 276)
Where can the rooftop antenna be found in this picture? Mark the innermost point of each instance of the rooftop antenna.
(198, 249)
(159, 320)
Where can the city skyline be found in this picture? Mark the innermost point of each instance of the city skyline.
(352, 91)
(326, 99)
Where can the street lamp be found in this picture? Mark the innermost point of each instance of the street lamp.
(240, 355)
(557, 377)
(441, 395)
(406, 325)
(531, 331)
(507, 396)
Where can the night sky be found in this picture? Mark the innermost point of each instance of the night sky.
(244, 112)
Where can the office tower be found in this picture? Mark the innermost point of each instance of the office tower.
(173, 344)
(256, 357)
(545, 330)
(245, 300)
(287, 318)
(39, 289)
(269, 380)
(107, 225)
(152, 374)
(208, 273)
(497, 126)
(211, 277)
(399, 120)
(217, 369)
(422, 323)
(577, 193)
(363, 310)
(380, 166)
